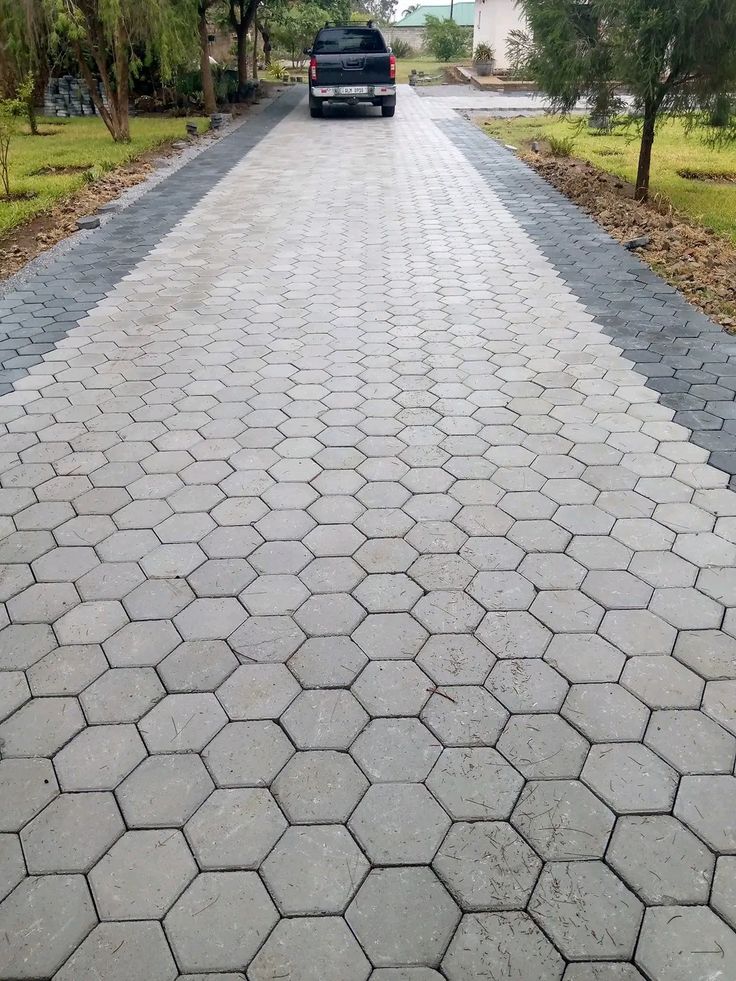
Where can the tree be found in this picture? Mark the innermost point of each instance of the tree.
(22, 41)
(381, 11)
(446, 39)
(208, 82)
(294, 27)
(27, 99)
(105, 36)
(676, 57)
(7, 132)
(242, 15)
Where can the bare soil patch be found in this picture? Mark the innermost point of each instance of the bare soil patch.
(694, 259)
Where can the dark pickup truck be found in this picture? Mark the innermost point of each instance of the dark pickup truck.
(351, 64)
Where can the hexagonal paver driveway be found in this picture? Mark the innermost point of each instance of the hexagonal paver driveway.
(367, 612)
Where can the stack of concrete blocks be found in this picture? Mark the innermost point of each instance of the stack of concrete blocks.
(70, 96)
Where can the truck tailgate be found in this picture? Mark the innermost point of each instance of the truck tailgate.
(353, 69)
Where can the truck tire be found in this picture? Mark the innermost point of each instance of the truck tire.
(388, 110)
(315, 110)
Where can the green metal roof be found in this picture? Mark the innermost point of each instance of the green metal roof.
(462, 13)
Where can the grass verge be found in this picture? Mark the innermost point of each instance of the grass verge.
(707, 195)
(72, 153)
(690, 223)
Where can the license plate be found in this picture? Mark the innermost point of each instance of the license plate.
(353, 90)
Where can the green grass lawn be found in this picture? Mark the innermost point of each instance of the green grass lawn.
(708, 202)
(74, 143)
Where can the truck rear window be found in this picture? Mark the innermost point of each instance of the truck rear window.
(349, 40)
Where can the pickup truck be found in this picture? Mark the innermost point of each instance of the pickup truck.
(351, 64)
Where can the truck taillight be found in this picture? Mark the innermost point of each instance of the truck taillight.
(392, 66)
(313, 69)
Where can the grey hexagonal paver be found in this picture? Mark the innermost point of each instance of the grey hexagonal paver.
(41, 727)
(314, 870)
(142, 875)
(562, 820)
(586, 910)
(501, 947)
(399, 824)
(12, 865)
(630, 778)
(455, 659)
(465, 715)
(258, 691)
(605, 713)
(324, 719)
(122, 695)
(99, 757)
(235, 829)
(487, 866)
(381, 917)
(679, 943)
(164, 791)
(388, 636)
(182, 723)
(108, 953)
(475, 783)
(641, 850)
(247, 754)
(707, 805)
(311, 949)
(391, 750)
(27, 785)
(543, 746)
(203, 938)
(319, 787)
(723, 897)
(327, 662)
(392, 688)
(42, 922)
(72, 833)
(197, 665)
(691, 742)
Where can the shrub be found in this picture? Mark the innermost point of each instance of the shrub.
(8, 127)
(402, 49)
(483, 54)
(446, 40)
(561, 146)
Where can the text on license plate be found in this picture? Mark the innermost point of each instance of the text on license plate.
(353, 90)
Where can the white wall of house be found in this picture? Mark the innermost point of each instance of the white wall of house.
(494, 21)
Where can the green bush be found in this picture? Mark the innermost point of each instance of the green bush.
(561, 146)
(402, 48)
(445, 39)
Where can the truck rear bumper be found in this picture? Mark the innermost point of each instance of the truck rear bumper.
(350, 93)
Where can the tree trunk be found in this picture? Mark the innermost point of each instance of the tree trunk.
(208, 84)
(108, 113)
(242, 15)
(242, 36)
(266, 46)
(255, 48)
(645, 152)
(122, 82)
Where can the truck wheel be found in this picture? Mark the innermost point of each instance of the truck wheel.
(315, 110)
(388, 110)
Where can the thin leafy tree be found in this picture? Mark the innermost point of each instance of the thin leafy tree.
(675, 57)
(106, 36)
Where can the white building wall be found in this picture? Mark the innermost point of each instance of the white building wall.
(494, 21)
